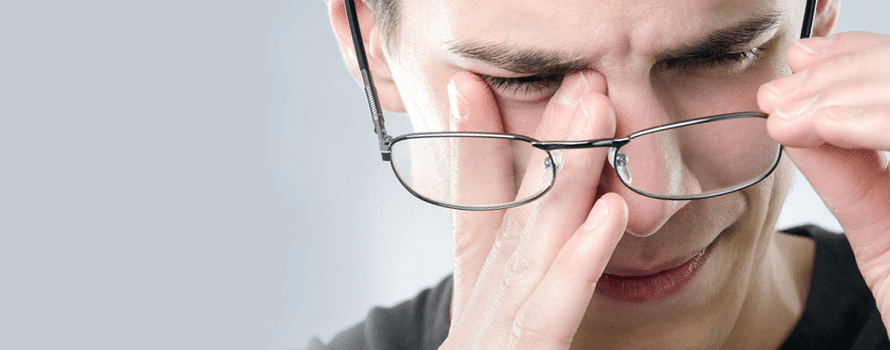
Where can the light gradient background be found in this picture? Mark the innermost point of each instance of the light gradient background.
(199, 174)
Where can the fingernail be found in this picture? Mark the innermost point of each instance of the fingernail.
(572, 89)
(785, 84)
(457, 105)
(796, 110)
(579, 123)
(600, 212)
(815, 44)
(844, 112)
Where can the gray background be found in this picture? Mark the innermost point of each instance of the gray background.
(199, 174)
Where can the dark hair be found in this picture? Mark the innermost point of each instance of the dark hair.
(386, 15)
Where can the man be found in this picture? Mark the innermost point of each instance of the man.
(592, 258)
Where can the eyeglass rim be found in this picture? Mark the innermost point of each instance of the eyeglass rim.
(715, 118)
(446, 134)
(616, 144)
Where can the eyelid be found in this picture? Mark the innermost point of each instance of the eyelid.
(714, 61)
(530, 79)
(525, 87)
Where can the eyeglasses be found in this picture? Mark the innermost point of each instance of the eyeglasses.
(691, 159)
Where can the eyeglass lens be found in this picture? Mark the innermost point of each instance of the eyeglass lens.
(473, 172)
(698, 160)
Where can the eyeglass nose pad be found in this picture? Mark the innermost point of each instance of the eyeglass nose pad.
(619, 162)
(557, 158)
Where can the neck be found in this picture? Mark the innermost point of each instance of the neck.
(777, 297)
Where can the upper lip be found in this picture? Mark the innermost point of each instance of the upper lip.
(652, 269)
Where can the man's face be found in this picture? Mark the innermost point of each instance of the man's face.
(525, 48)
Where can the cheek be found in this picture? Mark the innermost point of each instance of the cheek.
(701, 97)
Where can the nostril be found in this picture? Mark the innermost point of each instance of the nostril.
(641, 235)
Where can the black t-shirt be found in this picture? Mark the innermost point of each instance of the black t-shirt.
(840, 311)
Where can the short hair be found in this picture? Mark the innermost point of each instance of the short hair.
(386, 15)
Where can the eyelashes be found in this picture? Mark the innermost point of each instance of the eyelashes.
(717, 60)
(539, 86)
(525, 85)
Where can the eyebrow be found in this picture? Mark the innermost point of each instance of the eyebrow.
(722, 41)
(541, 62)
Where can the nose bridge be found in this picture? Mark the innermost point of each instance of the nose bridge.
(638, 105)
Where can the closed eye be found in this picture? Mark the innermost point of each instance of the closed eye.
(713, 60)
(540, 86)
(525, 88)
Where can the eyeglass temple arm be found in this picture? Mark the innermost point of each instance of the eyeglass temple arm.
(367, 80)
(808, 15)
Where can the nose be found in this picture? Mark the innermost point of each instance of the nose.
(650, 164)
(646, 215)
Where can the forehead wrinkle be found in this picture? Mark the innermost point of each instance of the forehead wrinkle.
(519, 60)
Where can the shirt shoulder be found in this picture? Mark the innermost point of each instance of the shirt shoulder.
(418, 323)
(840, 312)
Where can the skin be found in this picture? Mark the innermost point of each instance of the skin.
(525, 277)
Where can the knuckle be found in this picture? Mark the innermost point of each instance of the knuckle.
(510, 230)
(863, 37)
(528, 326)
(464, 243)
(517, 270)
(572, 269)
(531, 330)
(822, 71)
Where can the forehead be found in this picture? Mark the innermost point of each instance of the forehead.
(582, 26)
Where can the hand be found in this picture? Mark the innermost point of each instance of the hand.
(523, 276)
(833, 115)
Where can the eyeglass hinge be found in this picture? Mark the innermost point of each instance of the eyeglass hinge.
(385, 144)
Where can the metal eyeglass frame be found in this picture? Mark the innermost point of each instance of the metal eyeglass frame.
(386, 141)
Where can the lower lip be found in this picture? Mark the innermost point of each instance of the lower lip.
(641, 289)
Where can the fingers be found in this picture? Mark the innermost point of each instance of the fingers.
(839, 85)
(864, 127)
(479, 172)
(833, 113)
(550, 317)
(807, 52)
(592, 118)
(854, 184)
(532, 235)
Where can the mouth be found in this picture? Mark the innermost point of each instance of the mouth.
(640, 286)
